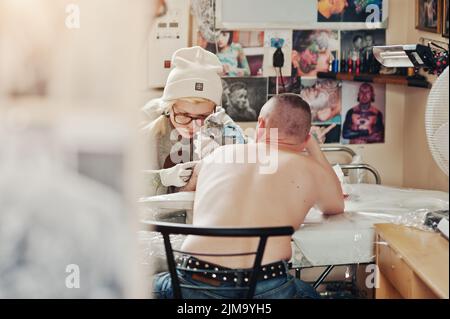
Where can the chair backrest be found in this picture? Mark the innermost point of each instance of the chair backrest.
(167, 229)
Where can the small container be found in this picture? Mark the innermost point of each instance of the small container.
(335, 66)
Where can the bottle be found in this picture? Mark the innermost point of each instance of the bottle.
(335, 65)
(358, 66)
(354, 60)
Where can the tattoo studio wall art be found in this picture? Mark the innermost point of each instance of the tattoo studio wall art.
(286, 84)
(429, 15)
(357, 45)
(313, 51)
(324, 98)
(241, 52)
(243, 98)
(301, 14)
(363, 110)
(341, 11)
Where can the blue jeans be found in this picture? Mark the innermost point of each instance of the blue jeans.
(286, 287)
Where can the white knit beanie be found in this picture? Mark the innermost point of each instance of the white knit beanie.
(195, 73)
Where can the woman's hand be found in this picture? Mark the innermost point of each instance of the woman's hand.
(178, 175)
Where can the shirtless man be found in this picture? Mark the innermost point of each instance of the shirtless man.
(237, 195)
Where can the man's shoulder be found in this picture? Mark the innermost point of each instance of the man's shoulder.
(298, 159)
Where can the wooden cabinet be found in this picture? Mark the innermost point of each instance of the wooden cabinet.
(412, 264)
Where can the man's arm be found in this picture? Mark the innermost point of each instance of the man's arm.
(191, 186)
(330, 198)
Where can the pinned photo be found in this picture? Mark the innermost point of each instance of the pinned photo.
(286, 84)
(324, 99)
(243, 98)
(364, 106)
(429, 15)
(312, 51)
(241, 52)
(277, 46)
(358, 45)
(326, 133)
(350, 11)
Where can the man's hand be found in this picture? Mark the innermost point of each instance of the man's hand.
(191, 186)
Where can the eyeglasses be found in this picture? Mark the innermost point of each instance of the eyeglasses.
(185, 118)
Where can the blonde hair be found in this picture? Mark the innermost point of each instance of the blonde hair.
(158, 109)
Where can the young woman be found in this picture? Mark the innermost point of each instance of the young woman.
(192, 97)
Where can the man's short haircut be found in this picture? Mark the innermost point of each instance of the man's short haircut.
(291, 115)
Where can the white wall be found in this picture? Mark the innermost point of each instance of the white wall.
(419, 168)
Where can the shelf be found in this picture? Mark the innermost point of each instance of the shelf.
(376, 78)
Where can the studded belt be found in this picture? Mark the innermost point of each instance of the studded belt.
(211, 273)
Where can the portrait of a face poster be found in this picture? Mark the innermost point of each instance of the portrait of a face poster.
(363, 113)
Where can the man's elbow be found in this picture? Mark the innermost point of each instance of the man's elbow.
(335, 209)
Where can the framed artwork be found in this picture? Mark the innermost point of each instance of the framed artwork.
(243, 97)
(445, 24)
(363, 113)
(429, 15)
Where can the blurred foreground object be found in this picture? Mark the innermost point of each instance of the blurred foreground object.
(69, 147)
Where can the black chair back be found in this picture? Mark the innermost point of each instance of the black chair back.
(167, 229)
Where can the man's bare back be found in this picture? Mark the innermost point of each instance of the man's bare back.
(239, 195)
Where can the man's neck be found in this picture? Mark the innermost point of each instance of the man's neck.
(285, 145)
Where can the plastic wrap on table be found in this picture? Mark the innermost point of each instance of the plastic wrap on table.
(152, 214)
(349, 238)
(152, 251)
